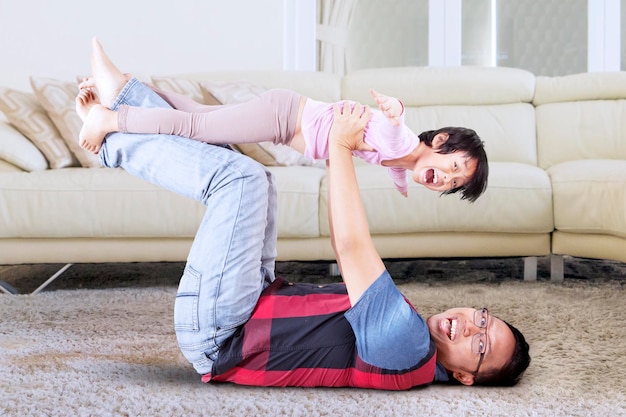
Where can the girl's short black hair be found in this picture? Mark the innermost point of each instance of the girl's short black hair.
(467, 141)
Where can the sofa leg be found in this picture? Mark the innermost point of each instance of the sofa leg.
(530, 268)
(52, 278)
(556, 268)
(7, 288)
(333, 269)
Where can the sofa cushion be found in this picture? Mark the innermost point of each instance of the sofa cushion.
(49, 205)
(570, 131)
(580, 87)
(442, 86)
(52, 203)
(518, 199)
(19, 151)
(590, 196)
(495, 102)
(30, 118)
(57, 97)
(317, 85)
(298, 200)
(508, 130)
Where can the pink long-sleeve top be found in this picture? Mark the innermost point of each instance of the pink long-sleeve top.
(389, 141)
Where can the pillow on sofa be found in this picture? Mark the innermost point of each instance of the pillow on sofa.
(30, 118)
(233, 92)
(8, 167)
(188, 88)
(19, 151)
(57, 97)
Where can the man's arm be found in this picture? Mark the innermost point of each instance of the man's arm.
(357, 257)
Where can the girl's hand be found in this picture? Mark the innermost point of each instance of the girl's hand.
(348, 126)
(390, 106)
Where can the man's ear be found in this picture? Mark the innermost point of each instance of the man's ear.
(463, 377)
(439, 140)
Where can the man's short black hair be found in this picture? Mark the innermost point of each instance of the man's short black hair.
(511, 372)
(468, 142)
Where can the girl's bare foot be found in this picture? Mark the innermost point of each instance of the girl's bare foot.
(108, 80)
(99, 121)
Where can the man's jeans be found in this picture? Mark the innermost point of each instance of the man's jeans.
(232, 257)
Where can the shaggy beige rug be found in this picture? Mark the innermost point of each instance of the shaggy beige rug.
(112, 352)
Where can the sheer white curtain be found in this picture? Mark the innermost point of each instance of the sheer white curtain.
(334, 18)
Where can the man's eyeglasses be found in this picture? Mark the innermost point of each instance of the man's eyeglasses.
(479, 340)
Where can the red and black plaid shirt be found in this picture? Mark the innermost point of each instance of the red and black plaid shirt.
(298, 336)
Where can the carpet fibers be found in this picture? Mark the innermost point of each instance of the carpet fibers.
(111, 351)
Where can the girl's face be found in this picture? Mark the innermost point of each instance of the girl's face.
(443, 172)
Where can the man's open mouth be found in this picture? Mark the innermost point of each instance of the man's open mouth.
(452, 329)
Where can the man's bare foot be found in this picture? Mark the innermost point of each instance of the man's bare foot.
(90, 83)
(108, 79)
(99, 121)
(85, 100)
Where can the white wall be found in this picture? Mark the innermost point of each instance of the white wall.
(160, 37)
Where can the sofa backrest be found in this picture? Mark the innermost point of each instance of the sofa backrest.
(495, 102)
(317, 85)
(581, 116)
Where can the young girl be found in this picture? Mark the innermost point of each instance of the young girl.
(448, 160)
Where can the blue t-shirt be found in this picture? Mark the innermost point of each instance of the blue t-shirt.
(397, 336)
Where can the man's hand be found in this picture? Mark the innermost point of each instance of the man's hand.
(390, 106)
(348, 125)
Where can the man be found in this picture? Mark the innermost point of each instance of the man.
(236, 322)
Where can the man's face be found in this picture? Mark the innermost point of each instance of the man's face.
(453, 332)
(443, 172)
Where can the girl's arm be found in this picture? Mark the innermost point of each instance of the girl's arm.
(357, 257)
(396, 139)
(391, 107)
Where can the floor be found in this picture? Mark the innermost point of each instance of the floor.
(578, 271)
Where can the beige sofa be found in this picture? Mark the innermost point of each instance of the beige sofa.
(581, 136)
(557, 183)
